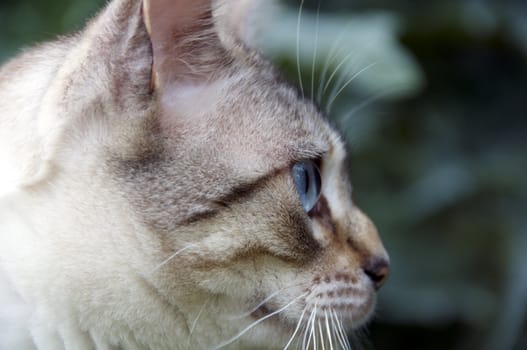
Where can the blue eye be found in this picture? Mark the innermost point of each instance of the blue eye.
(308, 183)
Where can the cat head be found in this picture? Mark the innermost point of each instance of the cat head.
(181, 149)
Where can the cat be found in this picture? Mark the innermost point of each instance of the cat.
(163, 187)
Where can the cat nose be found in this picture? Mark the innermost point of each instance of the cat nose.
(377, 269)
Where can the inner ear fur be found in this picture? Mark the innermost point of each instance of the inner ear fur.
(185, 43)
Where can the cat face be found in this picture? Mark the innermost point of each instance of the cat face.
(231, 225)
(216, 195)
(229, 216)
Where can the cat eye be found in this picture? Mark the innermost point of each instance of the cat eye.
(308, 182)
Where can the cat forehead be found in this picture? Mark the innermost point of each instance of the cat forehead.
(252, 120)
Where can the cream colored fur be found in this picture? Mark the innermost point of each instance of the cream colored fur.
(146, 200)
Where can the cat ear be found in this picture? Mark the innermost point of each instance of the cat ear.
(237, 19)
(185, 43)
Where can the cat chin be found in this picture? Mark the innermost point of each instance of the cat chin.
(326, 328)
(352, 315)
(339, 310)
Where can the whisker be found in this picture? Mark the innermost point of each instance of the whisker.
(336, 85)
(336, 329)
(312, 333)
(343, 333)
(316, 341)
(362, 105)
(194, 324)
(315, 336)
(167, 260)
(340, 333)
(327, 63)
(328, 330)
(309, 333)
(334, 334)
(322, 339)
(304, 344)
(315, 53)
(257, 322)
(296, 330)
(335, 71)
(298, 47)
(353, 77)
(263, 302)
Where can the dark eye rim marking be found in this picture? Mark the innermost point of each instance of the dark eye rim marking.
(135, 167)
(322, 212)
(237, 193)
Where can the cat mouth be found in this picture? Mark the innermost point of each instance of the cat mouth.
(332, 322)
(262, 311)
(352, 313)
(272, 316)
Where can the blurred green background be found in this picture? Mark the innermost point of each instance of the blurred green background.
(432, 98)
